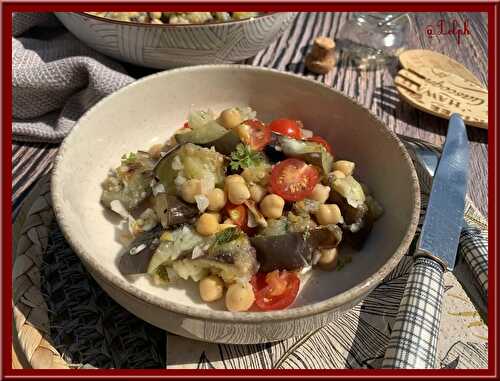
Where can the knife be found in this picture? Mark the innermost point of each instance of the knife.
(413, 341)
(473, 245)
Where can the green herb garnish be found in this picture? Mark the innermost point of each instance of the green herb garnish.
(129, 158)
(227, 235)
(342, 261)
(245, 157)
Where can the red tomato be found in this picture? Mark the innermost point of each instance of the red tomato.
(275, 290)
(293, 179)
(186, 125)
(320, 140)
(288, 127)
(237, 214)
(260, 134)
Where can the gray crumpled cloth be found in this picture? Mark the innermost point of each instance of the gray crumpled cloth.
(55, 78)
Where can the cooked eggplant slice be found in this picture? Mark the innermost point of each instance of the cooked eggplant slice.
(358, 238)
(164, 172)
(173, 211)
(136, 259)
(174, 245)
(230, 256)
(288, 251)
(310, 152)
(189, 161)
(130, 183)
(294, 250)
(203, 135)
(226, 143)
(325, 237)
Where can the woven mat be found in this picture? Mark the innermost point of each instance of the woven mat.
(63, 319)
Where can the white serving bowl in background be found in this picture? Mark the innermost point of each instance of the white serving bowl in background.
(163, 46)
(149, 111)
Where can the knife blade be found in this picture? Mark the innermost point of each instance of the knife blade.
(443, 221)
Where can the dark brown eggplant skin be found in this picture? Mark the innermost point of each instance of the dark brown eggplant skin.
(358, 239)
(172, 210)
(351, 215)
(138, 263)
(360, 215)
(288, 251)
(293, 251)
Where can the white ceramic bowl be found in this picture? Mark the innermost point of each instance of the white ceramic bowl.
(149, 111)
(164, 46)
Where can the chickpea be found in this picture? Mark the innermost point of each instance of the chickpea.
(337, 175)
(207, 224)
(272, 206)
(216, 199)
(211, 288)
(230, 118)
(237, 193)
(239, 297)
(155, 15)
(328, 214)
(189, 189)
(233, 179)
(155, 151)
(344, 166)
(320, 193)
(328, 259)
(257, 192)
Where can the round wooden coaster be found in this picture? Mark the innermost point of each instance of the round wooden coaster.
(442, 93)
(415, 58)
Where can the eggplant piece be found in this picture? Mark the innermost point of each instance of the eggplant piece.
(130, 182)
(311, 152)
(232, 261)
(203, 135)
(294, 250)
(350, 214)
(173, 211)
(288, 251)
(357, 239)
(163, 170)
(274, 155)
(135, 259)
(226, 143)
(191, 161)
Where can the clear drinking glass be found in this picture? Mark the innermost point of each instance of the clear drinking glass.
(372, 39)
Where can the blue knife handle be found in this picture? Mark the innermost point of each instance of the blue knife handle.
(413, 342)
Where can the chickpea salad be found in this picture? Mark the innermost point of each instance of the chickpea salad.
(175, 18)
(241, 206)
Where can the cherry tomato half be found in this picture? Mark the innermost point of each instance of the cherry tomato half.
(320, 140)
(259, 134)
(237, 214)
(288, 127)
(293, 179)
(186, 125)
(275, 290)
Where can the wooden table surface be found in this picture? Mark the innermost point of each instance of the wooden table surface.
(373, 89)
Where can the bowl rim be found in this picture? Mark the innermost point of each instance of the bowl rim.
(354, 293)
(140, 24)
